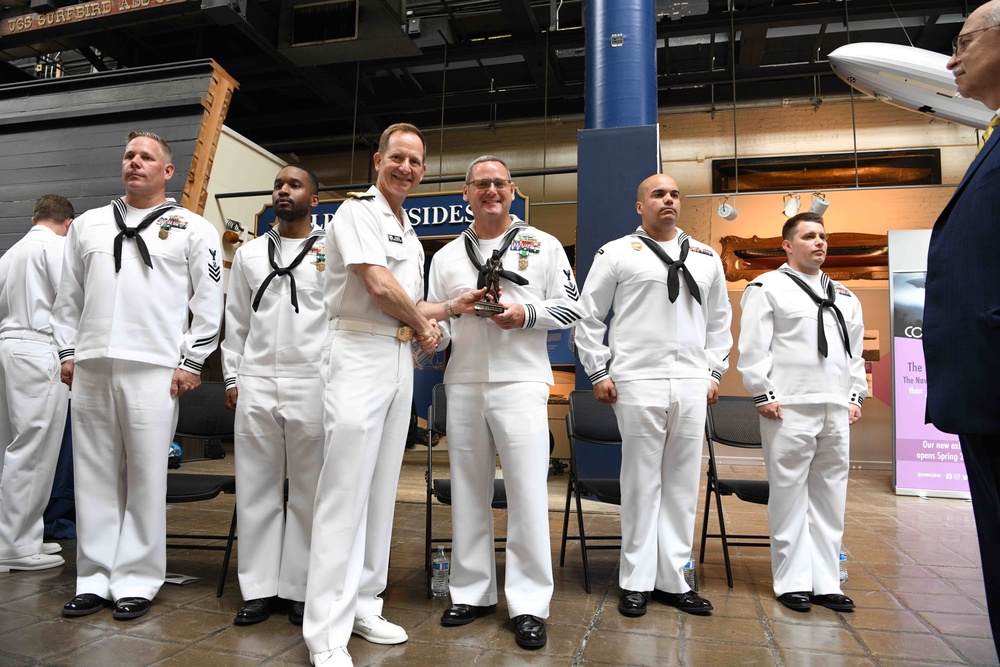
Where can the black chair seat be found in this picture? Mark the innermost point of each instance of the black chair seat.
(189, 488)
(732, 421)
(442, 491)
(751, 491)
(602, 490)
(592, 428)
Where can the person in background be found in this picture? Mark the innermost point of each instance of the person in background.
(33, 400)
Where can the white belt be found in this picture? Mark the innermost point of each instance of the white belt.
(403, 333)
(27, 335)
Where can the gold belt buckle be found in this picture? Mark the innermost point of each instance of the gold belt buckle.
(404, 334)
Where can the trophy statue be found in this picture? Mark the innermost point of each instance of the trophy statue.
(490, 306)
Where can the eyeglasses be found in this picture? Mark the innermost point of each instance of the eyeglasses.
(485, 183)
(961, 42)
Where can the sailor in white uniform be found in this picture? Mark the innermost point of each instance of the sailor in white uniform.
(275, 327)
(33, 401)
(668, 346)
(497, 382)
(801, 340)
(138, 311)
(374, 289)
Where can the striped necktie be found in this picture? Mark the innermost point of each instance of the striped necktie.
(988, 132)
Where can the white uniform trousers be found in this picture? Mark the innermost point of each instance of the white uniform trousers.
(366, 415)
(33, 406)
(509, 419)
(123, 421)
(807, 454)
(662, 423)
(278, 433)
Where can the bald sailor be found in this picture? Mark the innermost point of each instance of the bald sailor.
(668, 346)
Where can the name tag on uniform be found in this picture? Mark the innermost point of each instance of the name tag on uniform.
(395, 239)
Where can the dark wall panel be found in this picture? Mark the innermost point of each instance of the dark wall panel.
(67, 136)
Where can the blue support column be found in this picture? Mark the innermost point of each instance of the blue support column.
(621, 63)
(620, 146)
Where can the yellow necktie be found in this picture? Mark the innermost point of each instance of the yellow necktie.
(988, 132)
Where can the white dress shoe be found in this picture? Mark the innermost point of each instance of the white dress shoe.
(32, 562)
(51, 547)
(377, 630)
(338, 657)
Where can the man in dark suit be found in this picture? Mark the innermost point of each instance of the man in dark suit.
(962, 309)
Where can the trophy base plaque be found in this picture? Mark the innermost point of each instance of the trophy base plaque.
(486, 309)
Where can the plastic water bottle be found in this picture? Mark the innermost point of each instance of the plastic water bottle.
(843, 564)
(441, 569)
(690, 576)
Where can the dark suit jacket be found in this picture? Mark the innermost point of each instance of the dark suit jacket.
(961, 333)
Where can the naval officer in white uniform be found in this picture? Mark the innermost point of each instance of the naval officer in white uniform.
(138, 311)
(801, 340)
(497, 382)
(668, 346)
(33, 401)
(374, 290)
(275, 328)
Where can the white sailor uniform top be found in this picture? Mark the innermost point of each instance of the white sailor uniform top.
(650, 337)
(29, 277)
(779, 344)
(484, 352)
(140, 313)
(277, 338)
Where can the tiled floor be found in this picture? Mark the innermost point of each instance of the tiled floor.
(913, 572)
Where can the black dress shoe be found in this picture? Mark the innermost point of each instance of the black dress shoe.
(796, 601)
(463, 614)
(296, 612)
(254, 611)
(632, 603)
(834, 601)
(529, 631)
(129, 608)
(690, 602)
(85, 604)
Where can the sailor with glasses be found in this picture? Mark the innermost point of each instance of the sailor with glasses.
(497, 382)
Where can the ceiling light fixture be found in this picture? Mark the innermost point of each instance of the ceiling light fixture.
(727, 212)
(792, 204)
(819, 203)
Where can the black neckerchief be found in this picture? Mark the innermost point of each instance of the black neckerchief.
(273, 239)
(118, 207)
(675, 267)
(828, 302)
(472, 250)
